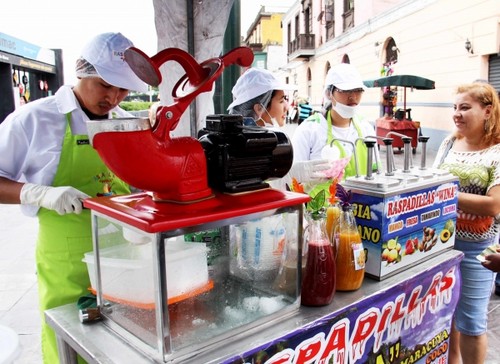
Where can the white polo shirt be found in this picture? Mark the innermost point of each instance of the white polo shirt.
(31, 138)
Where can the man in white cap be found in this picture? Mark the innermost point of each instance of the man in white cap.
(48, 166)
(315, 138)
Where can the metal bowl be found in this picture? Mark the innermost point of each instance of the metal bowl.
(116, 125)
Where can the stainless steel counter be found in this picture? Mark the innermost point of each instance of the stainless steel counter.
(96, 343)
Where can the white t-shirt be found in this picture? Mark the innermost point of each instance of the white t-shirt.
(478, 172)
(31, 138)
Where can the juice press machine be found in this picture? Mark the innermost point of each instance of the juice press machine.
(171, 298)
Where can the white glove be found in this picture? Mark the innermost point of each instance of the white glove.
(63, 200)
(307, 171)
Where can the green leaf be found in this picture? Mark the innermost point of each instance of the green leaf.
(317, 201)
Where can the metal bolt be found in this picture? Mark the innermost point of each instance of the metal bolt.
(89, 314)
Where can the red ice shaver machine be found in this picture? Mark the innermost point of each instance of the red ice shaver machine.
(207, 253)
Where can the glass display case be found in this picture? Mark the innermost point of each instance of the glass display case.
(175, 280)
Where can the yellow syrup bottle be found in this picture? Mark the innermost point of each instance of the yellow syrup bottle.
(333, 210)
(332, 218)
(350, 255)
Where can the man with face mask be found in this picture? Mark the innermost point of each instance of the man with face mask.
(316, 137)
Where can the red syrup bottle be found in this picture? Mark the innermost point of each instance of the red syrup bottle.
(318, 283)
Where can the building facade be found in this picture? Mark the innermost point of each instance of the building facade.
(27, 72)
(265, 38)
(450, 42)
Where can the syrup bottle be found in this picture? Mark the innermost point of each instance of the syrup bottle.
(350, 255)
(332, 217)
(318, 283)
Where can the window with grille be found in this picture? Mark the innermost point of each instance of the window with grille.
(348, 14)
(329, 17)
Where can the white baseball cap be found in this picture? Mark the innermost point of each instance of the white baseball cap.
(254, 82)
(344, 76)
(106, 53)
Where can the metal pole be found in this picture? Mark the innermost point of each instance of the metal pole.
(191, 51)
(232, 39)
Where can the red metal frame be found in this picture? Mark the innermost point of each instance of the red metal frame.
(141, 211)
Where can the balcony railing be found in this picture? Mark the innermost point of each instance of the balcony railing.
(348, 19)
(256, 47)
(330, 30)
(302, 47)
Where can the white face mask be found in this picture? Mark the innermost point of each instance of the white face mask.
(273, 120)
(344, 111)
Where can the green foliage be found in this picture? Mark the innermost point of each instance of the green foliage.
(315, 206)
(135, 105)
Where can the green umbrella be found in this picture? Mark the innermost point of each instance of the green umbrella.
(417, 82)
(420, 83)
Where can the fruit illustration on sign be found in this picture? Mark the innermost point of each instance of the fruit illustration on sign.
(429, 239)
(450, 226)
(411, 246)
(447, 232)
(391, 251)
(445, 235)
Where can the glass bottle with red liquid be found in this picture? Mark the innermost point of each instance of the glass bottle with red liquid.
(318, 283)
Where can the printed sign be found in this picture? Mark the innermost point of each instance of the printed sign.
(404, 229)
(407, 323)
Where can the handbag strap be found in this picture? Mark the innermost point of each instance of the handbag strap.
(446, 150)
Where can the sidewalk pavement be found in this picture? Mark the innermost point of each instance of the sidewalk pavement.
(18, 290)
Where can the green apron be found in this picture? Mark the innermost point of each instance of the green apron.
(361, 149)
(350, 169)
(63, 239)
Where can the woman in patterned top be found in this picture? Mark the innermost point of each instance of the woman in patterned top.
(472, 153)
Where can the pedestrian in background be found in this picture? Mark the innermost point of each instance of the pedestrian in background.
(48, 166)
(304, 110)
(472, 153)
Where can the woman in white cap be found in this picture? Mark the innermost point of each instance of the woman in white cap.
(260, 98)
(48, 166)
(315, 138)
